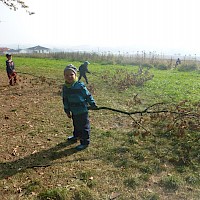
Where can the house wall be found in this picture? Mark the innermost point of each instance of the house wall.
(38, 51)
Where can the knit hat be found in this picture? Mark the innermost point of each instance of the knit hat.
(70, 67)
(86, 63)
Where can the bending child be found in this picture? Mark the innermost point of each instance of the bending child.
(83, 69)
(76, 98)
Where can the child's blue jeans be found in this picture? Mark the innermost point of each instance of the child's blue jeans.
(81, 125)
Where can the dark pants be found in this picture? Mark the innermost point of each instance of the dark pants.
(81, 125)
(84, 76)
(12, 78)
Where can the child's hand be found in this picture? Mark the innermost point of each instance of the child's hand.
(69, 115)
(93, 107)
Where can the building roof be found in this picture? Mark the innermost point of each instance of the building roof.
(38, 48)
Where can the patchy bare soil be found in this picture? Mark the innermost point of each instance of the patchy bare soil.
(30, 116)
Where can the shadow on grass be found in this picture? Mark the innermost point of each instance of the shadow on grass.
(43, 158)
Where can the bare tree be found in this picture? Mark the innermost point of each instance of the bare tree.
(15, 4)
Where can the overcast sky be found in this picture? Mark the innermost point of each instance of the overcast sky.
(142, 24)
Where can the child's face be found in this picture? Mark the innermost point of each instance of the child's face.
(9, 57)
(69, 76)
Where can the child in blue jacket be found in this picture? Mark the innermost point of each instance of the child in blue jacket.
(76, 98)
(83, 69)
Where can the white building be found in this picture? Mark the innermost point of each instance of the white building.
(36, 49)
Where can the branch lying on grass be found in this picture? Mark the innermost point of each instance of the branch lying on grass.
(147, 111)
(144, 111)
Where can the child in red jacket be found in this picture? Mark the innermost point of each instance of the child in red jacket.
(10, 69)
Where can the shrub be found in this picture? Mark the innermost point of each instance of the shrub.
(124, 79)
(188, 67)
(161, 66)
(147, 65)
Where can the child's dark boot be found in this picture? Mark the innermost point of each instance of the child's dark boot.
(84, 144)
(81, 147)
(72, 139)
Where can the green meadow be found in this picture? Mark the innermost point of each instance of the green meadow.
(151, 154)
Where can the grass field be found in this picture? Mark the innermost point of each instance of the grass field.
(146, 156)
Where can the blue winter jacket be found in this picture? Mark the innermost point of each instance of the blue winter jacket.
(76, 98)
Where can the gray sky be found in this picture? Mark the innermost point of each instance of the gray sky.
(150, 25)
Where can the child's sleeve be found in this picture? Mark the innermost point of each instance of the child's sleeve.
(13, 66)
(65, 101)
(88, 96)
(87, 70)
